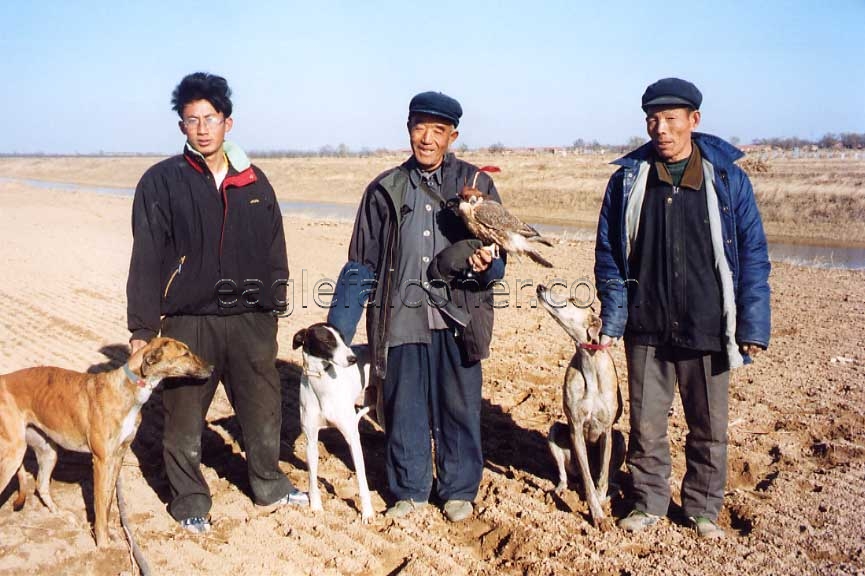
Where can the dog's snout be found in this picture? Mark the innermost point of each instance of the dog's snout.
(352, 360)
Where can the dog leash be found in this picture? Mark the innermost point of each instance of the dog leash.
(133, 377)
(138, 558)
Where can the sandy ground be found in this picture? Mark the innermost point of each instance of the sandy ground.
(796, 485)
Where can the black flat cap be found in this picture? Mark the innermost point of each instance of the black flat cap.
(436, 104)
(672, 92)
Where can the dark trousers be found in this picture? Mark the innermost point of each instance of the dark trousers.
(242, 349)
(703, 379)
(428, 385)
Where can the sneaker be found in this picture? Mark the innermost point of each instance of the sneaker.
(458, 510)
(402, 508)
(196, 524)
(638, 520)
(294, 498)
(706, 528)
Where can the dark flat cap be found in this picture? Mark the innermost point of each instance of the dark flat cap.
(672, 92)
(436, 104)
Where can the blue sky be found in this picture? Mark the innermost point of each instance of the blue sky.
(85, 76)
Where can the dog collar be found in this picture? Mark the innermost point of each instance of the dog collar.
(313, 373)
(308, 372)
(133, 377)
(587, 346)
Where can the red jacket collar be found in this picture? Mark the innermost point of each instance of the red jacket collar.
(234, 178)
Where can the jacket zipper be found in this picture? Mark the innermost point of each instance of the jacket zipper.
(224, 219)
(177, 272)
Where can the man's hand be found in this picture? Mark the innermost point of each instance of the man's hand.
(480, 260)
(136, 345)
(749, 349)
(608, 340)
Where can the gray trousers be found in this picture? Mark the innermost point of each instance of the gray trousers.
(242, 349)
(703, 379)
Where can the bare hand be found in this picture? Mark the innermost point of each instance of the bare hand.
(608, 340)
(749, 349)
(480, 260)
(136, 345)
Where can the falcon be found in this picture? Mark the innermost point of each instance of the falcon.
(492, 224)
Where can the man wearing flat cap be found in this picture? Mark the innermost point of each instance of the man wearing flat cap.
(409, 255)
(682, 271)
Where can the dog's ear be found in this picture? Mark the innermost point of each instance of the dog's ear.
(299, 339)
(595, 329)
(151, 358)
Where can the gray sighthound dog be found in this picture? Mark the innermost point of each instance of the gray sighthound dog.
(592, 403)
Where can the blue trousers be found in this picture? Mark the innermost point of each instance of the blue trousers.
(428, 388)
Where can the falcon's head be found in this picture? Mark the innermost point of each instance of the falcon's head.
(471, 195)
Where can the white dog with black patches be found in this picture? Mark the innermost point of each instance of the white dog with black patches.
(334, 377)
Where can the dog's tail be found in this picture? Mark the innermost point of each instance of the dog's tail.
(362, 412)
(365, 413)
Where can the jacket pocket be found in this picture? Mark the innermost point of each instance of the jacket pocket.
(477, 335)
(177, 271)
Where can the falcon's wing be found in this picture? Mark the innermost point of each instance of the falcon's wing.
(491, 214)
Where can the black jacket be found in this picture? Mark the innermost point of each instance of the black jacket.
(375, 245)
(677, 296)
(199, 250)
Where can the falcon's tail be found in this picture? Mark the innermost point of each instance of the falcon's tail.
(539, 259)
(542, 240)
(532, 235)
(521, 245)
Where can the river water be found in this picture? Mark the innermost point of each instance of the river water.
(813, 255)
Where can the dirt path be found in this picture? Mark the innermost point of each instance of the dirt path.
(797, 445)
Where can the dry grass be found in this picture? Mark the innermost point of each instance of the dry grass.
(813, 199)
(753, 166)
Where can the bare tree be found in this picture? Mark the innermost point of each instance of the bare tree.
(828, 140)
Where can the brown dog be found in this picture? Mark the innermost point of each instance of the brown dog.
(96, 413)
(592, 402)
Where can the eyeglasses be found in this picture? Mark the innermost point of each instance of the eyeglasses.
(211, 121)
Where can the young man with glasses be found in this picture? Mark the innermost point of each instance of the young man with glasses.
(209, 268)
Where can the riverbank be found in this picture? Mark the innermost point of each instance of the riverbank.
(804, 200)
